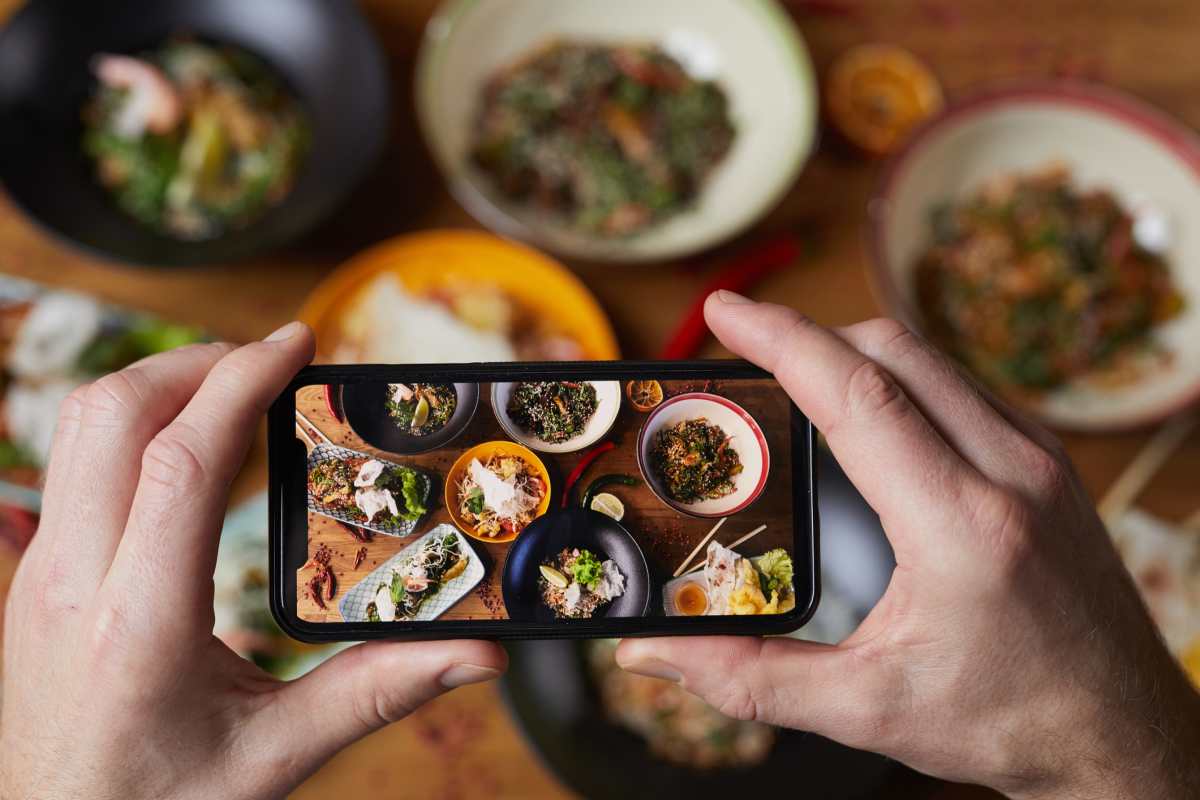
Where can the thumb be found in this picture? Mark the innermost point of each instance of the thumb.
(358, 691)
(787, 682)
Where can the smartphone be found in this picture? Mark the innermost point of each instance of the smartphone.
(540, 500)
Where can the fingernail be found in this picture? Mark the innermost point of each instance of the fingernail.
(286, 332)
(653, 668)
(462, 674)
(733, 298)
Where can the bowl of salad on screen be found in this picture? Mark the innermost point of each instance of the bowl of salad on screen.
(496, 489)
(556, 416)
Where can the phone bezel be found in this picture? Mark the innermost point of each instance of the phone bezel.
(284, 561)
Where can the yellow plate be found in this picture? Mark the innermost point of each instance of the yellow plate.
(483, 452)
(427, 261)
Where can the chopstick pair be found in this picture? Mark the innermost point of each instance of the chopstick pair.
(307, 430)
(685, 570)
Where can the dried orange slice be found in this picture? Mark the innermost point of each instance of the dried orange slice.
(876, 94)
(644, 395)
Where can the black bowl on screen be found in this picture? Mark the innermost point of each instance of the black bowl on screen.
(547, 536)
(365, 410)
(323, 50)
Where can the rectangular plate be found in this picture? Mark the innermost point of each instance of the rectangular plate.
(330, 452)
(354, 604)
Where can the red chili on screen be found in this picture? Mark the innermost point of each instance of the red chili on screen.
(584, 463)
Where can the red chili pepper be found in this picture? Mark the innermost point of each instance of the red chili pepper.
(745, 270)
(584, 462)
(332, 407)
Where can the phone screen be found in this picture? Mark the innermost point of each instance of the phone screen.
(553, 502)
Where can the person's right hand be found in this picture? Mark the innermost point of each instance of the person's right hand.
(1011, 648)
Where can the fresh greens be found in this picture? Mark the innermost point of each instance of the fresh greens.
(586, 570)
(775, 571)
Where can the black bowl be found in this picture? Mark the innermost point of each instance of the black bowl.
(363, 405)
(546, 536)
(323, 49)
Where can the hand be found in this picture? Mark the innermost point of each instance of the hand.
(1011, 648)
(114, 686)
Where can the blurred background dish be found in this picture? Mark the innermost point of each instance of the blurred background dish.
(750, 51)
(47, 53)
(456, 296)
(667, 440)
(1131, 179)
(601, 411)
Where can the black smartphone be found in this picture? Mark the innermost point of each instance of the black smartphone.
(540, 500)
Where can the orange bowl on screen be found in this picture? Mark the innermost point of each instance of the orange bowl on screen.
(483, 452)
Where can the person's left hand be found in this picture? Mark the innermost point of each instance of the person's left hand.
(114, 685)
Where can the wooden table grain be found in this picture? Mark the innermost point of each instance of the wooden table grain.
(473, 748)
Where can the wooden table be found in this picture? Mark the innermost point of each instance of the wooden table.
(1146, 47)
(665, 536)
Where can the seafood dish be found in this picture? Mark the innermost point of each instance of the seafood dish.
(420, 409)
(575, 583)
(745, 586)
(51, 342)
(193, 140)
(677, 727)
(612, 139)
(694, 460)
(368, 491)
(1034, 283)
(553, 411)
(499, 496)
(418, 577)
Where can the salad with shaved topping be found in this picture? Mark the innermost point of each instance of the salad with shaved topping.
(499, 496)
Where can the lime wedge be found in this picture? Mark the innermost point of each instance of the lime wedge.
(421, 413)
(554, 577)
(609, 505)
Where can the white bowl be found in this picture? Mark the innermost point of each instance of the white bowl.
(745, 437)
(1108, 140)
(608, 405)
(751, 47)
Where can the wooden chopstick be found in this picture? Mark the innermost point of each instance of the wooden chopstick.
(740, 541)
(1143, 468)
(304, 433)
(315, 429)
(703, 542)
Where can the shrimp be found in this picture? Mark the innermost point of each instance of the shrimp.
(153, 104)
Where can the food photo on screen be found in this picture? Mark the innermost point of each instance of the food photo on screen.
(545, 501)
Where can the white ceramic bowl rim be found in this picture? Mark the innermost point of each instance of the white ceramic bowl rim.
(759, 438)
(480, 204)
(1139, 115)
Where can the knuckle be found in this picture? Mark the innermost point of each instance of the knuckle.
(172, 460)
(1006, 519)
(1047, 474)
(872, 391)
(887, 335)
(738, 701)
(114, 397)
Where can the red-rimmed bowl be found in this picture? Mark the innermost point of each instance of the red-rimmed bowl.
(1108, 140)
(745, 437)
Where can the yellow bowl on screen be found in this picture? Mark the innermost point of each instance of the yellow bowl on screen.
(484, 452)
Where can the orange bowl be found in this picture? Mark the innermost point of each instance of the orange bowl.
(484, 452)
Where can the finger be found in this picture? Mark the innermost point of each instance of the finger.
(103, 429)
(170, 542)
(896, 459)
(952, 402)
(803, 685)
(356, 692)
